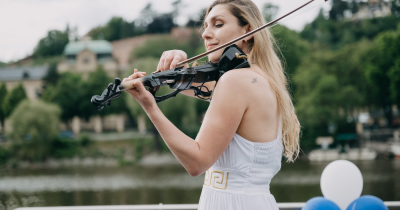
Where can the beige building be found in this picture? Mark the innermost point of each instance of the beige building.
(29, 77)
(86, 55)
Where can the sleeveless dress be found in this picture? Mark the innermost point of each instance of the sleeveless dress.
(241, 176)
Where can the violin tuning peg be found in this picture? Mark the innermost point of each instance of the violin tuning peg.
(110, 86)
(117, 81)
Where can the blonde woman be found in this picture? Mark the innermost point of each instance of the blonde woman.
(250, 122)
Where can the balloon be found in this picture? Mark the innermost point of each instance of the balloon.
(341, 182)
(367, 202)
(320, 203)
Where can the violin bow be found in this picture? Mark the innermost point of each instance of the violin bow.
(243, 36)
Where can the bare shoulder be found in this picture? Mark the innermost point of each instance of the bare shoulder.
(245, 80)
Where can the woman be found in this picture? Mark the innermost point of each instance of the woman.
(250, 122)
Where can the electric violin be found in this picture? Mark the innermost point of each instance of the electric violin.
(181, 79)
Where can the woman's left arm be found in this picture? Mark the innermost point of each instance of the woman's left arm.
(219, 125)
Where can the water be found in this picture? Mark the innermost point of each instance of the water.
(296, 182)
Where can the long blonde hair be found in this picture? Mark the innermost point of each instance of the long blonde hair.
(262, 53)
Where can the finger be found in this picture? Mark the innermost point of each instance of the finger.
(134, 72)
(159, 62)
(162, 60)
(139, 86)
(141, 74)
(175, 61)
(167, 61)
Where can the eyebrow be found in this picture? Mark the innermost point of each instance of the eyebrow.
(213, 18)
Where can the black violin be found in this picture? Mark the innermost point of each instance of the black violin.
(178, 78)
(181, 79)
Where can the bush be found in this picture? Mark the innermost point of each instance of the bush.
(64, 148)
(34, 126)
(4, 155)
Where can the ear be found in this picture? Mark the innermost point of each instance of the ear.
(248, 28)
(247, 31)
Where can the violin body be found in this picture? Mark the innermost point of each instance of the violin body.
(178, 78)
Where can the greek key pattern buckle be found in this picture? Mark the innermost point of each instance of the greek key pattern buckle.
(216, 179)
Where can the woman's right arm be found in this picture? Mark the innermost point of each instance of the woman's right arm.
(170, 58)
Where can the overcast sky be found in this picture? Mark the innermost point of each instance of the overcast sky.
(24, 22)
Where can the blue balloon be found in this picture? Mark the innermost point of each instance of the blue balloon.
(367, 202)
(320, 203)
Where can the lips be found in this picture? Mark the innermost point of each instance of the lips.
(210, 46)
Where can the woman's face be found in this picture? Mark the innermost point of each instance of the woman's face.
(221, 26)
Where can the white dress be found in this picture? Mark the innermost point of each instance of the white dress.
(241, 176)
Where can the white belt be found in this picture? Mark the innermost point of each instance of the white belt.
(228, 180)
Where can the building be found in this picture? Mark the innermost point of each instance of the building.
(86, 55)
(373, 9)
(30, 77)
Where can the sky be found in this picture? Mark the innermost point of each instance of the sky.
(24, 22)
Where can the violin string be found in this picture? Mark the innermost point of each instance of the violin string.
(284, 20)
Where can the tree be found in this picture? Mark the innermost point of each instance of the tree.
(116, 28)
(66, 94)
(12, 99)
(177, 5)
(382, 72)
(53, 44)
(96, 84)
(269, 11)
(330, 85)
(161, 24)
(34, 126)
(292, 47)
(3, 94)
(396, 7)
(52, 75)
(338, 9)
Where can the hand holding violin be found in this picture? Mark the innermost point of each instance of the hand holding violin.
(170, 58)
(141, 95)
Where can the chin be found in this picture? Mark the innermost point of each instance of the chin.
(215, 56)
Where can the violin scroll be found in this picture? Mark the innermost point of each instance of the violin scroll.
(111, 92)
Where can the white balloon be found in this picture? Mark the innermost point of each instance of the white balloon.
(341, 182)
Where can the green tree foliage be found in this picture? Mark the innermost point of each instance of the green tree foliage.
(96, 84)
(396, 7)
(53, 44)
(330, 85)
(66, 94)
(116, 28)
(52, 75)
(155, 46)
(336, 34)
(161, 24)
(3, 94)
(34, 126)
(12, 99)
(73, 95)
(383, 71)
(292, 47)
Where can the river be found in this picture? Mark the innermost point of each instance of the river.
(296, 182)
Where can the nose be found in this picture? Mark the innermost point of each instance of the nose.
(207, 34)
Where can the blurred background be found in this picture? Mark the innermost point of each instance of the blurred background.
(342, 59)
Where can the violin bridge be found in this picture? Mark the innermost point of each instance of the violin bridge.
(195, 64)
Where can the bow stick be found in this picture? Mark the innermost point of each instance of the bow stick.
(242, 37)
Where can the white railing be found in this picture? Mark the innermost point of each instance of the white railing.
(166, 206)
